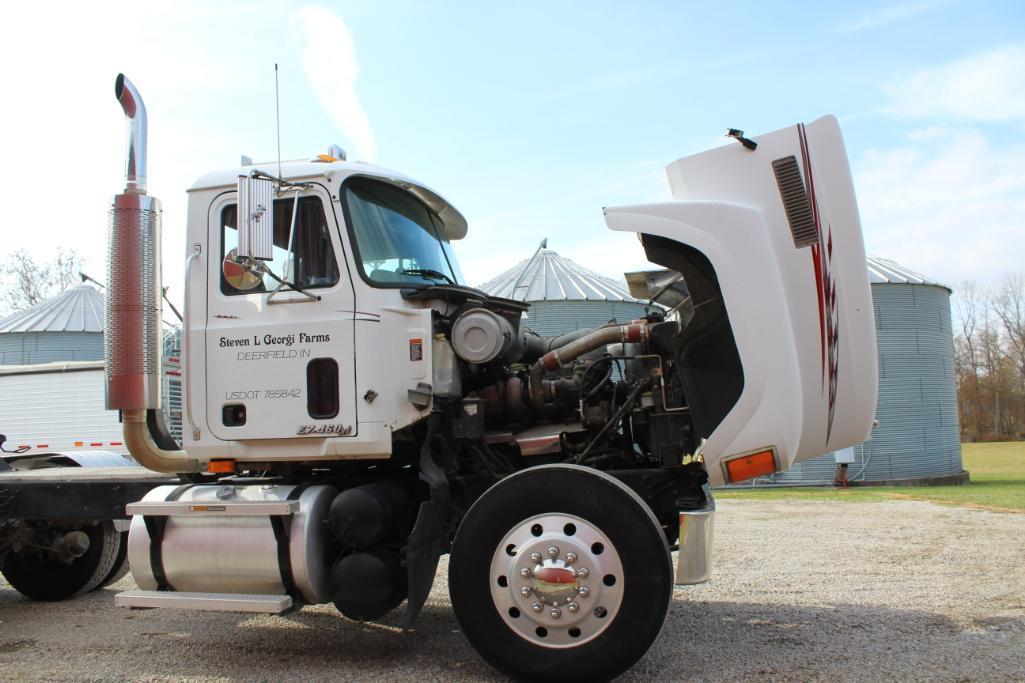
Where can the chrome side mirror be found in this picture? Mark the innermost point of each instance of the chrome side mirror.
(256, 217)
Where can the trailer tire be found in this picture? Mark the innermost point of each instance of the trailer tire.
(522, 598)
(120, 568)
(39, 576)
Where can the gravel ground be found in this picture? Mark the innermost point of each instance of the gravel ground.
(801, 591)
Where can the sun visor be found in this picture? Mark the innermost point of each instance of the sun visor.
(454, 223)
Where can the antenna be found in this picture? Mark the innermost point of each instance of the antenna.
(277, 115)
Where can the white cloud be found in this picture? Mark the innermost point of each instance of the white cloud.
(949, 199)
(893, 13)
(985, 87)
(948, 203)
(330, 61)
(568, 213)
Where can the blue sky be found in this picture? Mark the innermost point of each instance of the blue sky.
(529, 117)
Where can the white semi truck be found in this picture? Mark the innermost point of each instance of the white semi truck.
(352, 410)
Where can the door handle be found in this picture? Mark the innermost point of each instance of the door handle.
(194, 254)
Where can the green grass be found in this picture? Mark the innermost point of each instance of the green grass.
(997, 482)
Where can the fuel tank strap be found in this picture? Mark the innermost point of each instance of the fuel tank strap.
(155, 528)
(281, 536)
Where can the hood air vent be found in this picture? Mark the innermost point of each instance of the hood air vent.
(795, 201)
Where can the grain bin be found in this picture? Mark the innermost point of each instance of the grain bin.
(68, 328)
(564, 296)
(918, 437)
(65, 327)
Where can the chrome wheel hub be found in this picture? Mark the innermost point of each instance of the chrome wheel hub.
(557, 580)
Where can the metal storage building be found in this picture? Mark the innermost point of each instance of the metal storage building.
(68, 326)
(564, 296)
(918, 436)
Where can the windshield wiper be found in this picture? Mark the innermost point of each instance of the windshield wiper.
(427, 272)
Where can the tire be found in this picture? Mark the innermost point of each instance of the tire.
(120, 568)
(607, 617)
(39, 576)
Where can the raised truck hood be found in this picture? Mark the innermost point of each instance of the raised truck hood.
(779, 225)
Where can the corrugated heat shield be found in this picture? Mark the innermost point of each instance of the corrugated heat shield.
(795, 201)
(132, 328)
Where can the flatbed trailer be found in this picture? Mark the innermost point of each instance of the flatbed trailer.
(89, 494)
(64, 530)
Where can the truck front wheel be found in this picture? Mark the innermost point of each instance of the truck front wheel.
(560, 572)
(36, 573)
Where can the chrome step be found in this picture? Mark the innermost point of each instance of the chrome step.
(256, 508)
(210, 602)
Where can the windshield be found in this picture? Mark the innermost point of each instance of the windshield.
(397, 236)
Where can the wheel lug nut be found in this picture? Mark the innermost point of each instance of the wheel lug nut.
(525, 572)
(556, 613)
(582, 573)
(535, 558)
(526, 592)
(571, 558)
(537, 607)
(584, 591)
(573, 607)
(553, 552)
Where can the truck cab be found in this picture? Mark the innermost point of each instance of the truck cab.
(320, 367)
(353, 410)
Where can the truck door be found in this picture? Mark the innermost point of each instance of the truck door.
(280, 363)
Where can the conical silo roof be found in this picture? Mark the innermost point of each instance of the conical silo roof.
(76, 309)
(546, 276)
(884, 270)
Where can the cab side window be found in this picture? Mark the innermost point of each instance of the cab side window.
(309, 261)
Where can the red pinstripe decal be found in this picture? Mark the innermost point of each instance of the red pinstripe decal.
(822, 259)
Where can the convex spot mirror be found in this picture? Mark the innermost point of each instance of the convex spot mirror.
(239, 275)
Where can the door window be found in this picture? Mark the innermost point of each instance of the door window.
(309, 263)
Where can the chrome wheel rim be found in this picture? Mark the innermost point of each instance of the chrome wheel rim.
(557, 580)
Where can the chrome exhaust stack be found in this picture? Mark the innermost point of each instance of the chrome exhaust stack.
(132, 329)
(135, 115)
(132, 334)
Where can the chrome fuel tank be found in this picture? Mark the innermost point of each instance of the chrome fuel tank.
(216, 539)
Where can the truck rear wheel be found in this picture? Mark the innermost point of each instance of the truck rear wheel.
(37, 574)
(120, 567)
(560, 572)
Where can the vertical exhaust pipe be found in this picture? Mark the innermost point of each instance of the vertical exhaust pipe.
(135, 115)
(132, 334)
(132, 330)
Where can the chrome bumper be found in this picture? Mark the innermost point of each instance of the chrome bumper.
(694, 562)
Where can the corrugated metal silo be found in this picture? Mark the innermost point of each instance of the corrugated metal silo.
(69, 327)
(564, 296)
(65, 327)
(918, 436)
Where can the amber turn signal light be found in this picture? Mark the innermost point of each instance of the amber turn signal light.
(221, 466)
(752, 465)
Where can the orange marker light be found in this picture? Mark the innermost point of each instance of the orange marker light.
(749, 466)
(221, 466)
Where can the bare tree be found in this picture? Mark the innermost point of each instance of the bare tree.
(990, 359)
(26, 281)
(65, 268)
(1009, 306)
